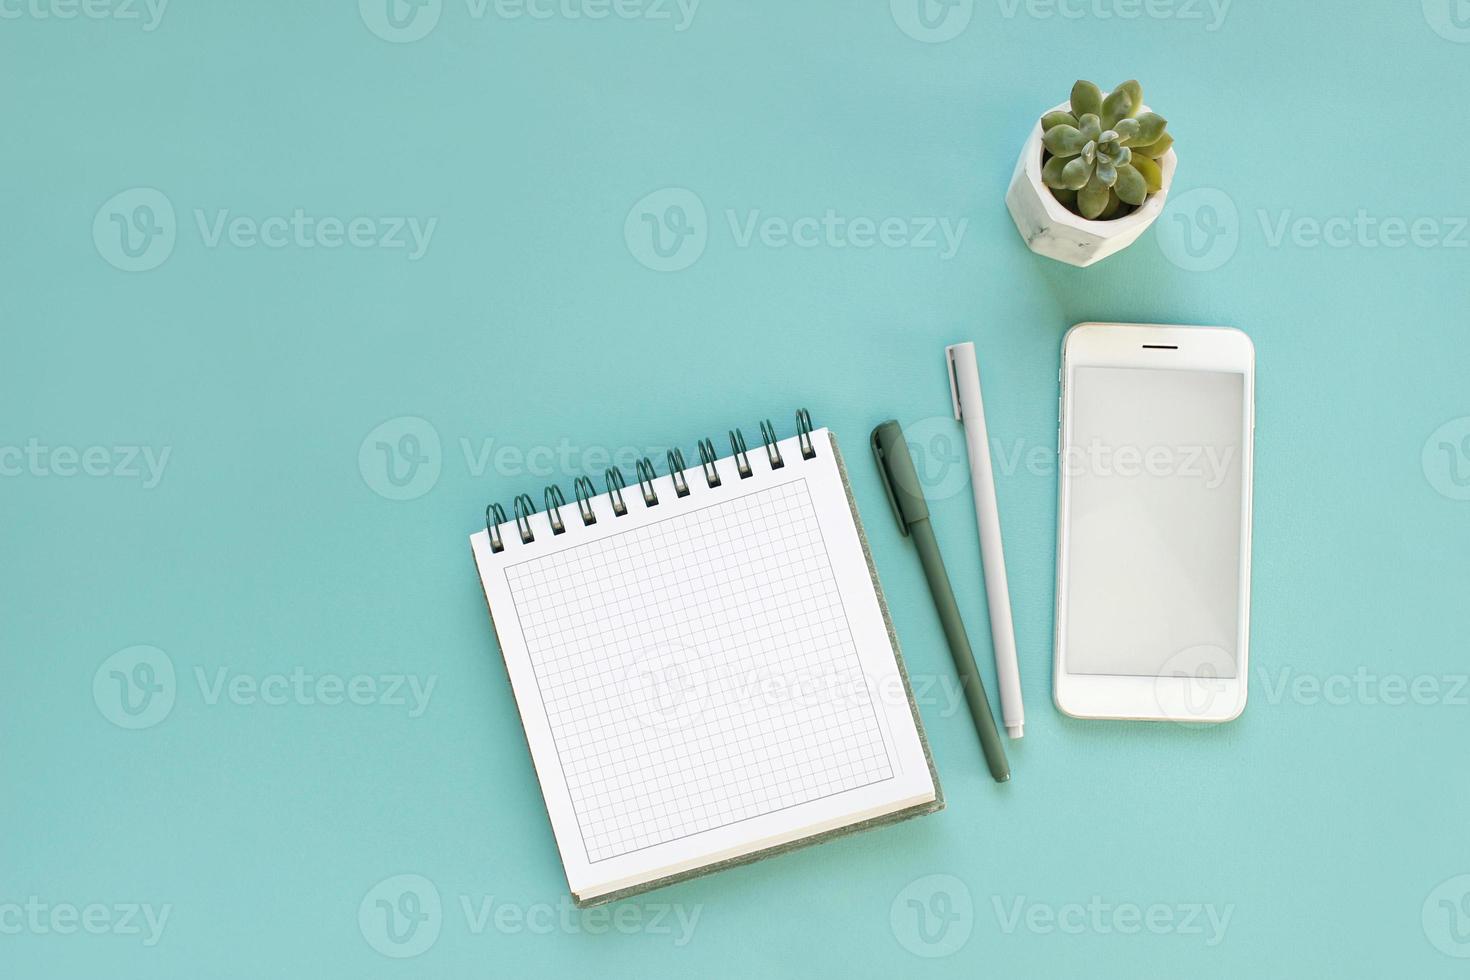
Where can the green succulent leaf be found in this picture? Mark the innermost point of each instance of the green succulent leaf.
(1153, 175)
(1086, 97)
(1076, 173)
(1156, 149)
(1051, 174)
(1064, 141)
(1131, 185)
(1118, 105)
(1105, 151)
(1150, 128)
(1093, 198)
(1057, 118)
(1135, 94)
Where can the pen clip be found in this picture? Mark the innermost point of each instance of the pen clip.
(954, 385)
(903, 527)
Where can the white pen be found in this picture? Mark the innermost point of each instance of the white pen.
(964, 389)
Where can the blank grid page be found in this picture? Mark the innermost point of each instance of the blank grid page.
(698, 671)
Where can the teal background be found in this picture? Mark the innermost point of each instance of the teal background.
(530, 320)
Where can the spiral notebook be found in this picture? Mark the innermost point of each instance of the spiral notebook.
(703, 664)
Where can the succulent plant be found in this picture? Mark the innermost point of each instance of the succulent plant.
(1102, 154)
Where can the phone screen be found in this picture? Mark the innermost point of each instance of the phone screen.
(1155, 469)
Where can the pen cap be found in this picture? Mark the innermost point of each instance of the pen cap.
(900, 479)
(960, 359)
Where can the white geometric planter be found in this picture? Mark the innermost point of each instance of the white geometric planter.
(1051, 230)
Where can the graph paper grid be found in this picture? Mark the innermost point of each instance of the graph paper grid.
(698, 671)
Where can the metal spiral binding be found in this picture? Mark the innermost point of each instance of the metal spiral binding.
(742, 458)
(707, 463)
(524, 508)
(804, 433)
(615, 493)
(773, 451)
(676, 472)
(646, 477)
(585, 491)
(494, 517)
(554, 503)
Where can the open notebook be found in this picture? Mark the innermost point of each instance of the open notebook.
(703, 665)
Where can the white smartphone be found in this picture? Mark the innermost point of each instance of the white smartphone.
(1156, 433)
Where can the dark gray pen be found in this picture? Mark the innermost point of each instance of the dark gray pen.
(907, 497)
